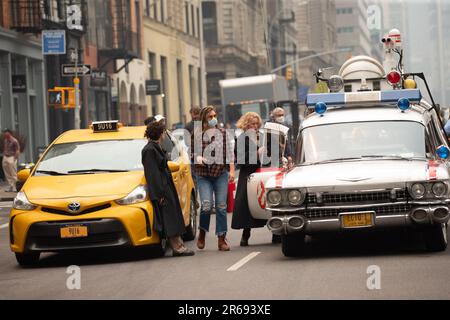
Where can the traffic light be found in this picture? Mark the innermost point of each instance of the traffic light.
(61, 97)
(289, 74)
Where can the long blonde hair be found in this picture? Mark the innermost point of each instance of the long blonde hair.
(244, 121)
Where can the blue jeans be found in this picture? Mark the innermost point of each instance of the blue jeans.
(217, 187)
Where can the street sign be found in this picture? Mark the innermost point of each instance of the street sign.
(69, 70)
(53, 42)
(99, 78)
(19, 83)
(74, 16)
(152, 87)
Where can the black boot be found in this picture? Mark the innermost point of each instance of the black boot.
(245, 237)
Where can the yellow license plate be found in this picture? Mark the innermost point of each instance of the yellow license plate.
(74, 232)
(357, 219)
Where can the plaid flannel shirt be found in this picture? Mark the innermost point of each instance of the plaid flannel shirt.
(212, 168)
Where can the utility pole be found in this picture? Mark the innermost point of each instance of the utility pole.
(76, 83)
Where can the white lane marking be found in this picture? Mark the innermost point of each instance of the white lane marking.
(3, 226)
(243, 261)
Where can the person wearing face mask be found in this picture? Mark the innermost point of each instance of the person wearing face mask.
(277, 116)
(212, 175)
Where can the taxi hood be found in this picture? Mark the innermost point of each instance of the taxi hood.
(360, 174)
(108, 185)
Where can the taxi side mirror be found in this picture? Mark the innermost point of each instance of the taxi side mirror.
(23, 174)
(173, 166)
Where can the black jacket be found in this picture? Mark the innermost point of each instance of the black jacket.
(168, 216)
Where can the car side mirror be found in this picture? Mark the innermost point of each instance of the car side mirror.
(23, 174)
(173, 166)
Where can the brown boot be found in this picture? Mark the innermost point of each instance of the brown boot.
(222, 243)
(201, 239)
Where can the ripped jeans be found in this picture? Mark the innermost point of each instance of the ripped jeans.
(217, 186)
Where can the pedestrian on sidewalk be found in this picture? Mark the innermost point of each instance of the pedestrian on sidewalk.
(248, 160)
(212, 154)
(168, 216)
(11, 152)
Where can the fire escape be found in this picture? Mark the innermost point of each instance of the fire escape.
(120, 41)
(33, 16)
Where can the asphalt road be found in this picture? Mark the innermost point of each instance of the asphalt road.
(332, 268)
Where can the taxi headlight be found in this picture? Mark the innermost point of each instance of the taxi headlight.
(295, 197)
(137, 195)
(439, 189)
(274, 197)
(21, 202)
(418, 190)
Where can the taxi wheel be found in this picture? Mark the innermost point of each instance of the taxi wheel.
(436, 237)
(293, 244)
(191, 229)
(27, 259)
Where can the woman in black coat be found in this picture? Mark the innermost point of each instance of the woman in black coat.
(247, 155)
(168, 216)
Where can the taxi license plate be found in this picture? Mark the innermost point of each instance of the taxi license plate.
(77, 231)
(357, 219)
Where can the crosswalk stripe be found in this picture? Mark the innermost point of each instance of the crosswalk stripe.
(3, 226)
(243, 261)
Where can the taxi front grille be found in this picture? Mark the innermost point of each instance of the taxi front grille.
(362, 197)
(380, 210)
(67, 213)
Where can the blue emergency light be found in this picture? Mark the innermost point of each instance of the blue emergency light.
(344, 98)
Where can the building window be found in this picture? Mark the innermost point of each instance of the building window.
(200, 84)
(180, 90)
(198, 23)
(186, 17)
(161, 3)
(191, 83)
(152, 75)
(147, 8)
(192, 20)
(209, 13)
(165, 94)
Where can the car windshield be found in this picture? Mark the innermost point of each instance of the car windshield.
(92, 157)
(362, 140)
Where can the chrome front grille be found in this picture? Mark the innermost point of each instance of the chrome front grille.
(379, 210)
(352, 198)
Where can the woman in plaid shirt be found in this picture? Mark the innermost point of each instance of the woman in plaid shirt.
(212, 155)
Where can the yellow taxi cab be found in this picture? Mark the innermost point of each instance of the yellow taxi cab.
(88, 190)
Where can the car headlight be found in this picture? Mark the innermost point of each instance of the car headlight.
(137, 195)
(418, 190)
(21, 202)
(274, 197)
(439, 189)
(295, 197)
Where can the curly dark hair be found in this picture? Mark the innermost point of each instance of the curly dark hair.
(154, 130)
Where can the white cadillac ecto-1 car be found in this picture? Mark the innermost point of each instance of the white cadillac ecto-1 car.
(372, 156)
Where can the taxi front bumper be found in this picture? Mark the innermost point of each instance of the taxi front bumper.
(114, 226)
(417, 216)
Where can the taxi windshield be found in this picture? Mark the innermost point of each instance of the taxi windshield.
(89, 157)
(362, 140)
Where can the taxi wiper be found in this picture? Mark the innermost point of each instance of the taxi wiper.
(95, 170)
(52, 173)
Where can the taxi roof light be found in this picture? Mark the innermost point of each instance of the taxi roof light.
(105, 126)
(403, 104)
(320, 108)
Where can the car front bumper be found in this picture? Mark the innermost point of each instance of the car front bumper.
(110, 227)
(292, 222)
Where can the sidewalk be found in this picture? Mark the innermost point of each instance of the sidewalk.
(6, 196)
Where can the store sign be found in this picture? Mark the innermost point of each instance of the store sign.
(53, 42)
(74, 17)
(152, 87)
(99, 78)
(19, 83)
